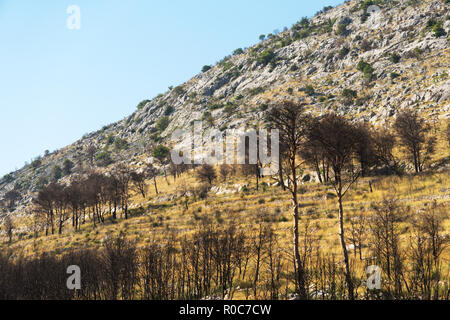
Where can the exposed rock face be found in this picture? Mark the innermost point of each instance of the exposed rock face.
(234, 93)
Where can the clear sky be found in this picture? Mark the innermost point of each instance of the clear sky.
(57, 84)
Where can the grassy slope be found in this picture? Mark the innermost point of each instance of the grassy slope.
(151, 220)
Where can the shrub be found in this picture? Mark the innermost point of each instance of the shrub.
(309, 90)
(367, 3)
(104, 158)
(285, 42)
(255, 91)
(394, 75)
(110, 139)
(438, 30)
(179, 90)
(162, 123)
(343, 52)
(169, 110)
(8, 178)
(36, 163)
(215, 106)
(206, 68)
(349, 93)
(342, 30)
(142, 104)
(57, 173)
(238, 51)
(120, 144)
(206, 173)
(366, 45)
(302, 34)
(67, 167)
(395, 58)
(229, 108)
(208, 118)
(366, 68)
(266, 57)
(348, 96)
(161, 153)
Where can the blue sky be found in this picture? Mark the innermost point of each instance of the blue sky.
(57, 84)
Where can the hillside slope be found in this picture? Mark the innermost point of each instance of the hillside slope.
(315, 60)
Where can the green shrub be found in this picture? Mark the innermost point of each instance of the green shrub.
(238, 51)
(169, 110)
(120, 144)
(8, 178)
(110, 139)
(206, 68)
(215, 106)
(394, 75)
(57, 173)
(349, 93)
(309, 90)
(438, 30)
(285, 42)
(104, 158)
(162, 123)
(179, 90)
(142, 104)
(395, 58)
(255, 91)
(161, 153)
(342, 30)
(366, 68)
(266, 57)
(36, 163)
(229, 108)
(367, 3)
(343, 52)
(302, 34)
(67, 167)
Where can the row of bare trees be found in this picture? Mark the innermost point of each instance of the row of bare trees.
(89, 198)
(341, 151)
(227, 261)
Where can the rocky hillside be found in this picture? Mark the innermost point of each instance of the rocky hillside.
(359, 60)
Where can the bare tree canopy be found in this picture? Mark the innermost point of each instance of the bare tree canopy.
(413, 132)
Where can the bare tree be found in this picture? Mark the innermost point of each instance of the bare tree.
(339, 140)
(138, 179)
(206, 173)
(123, 175)
(152, 173)
(224, 171)
(383, 144)
(11, 197)
(358, 232)
(386, 241)
(290, 119)
(161, 154)
(413, 133)
(9, 227)
(365, 149)
(90, 153)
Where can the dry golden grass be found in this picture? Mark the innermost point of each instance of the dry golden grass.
(154, 218)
